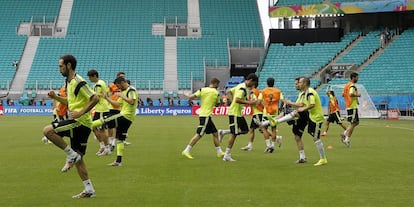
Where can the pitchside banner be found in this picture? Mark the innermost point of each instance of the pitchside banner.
(141, 111)
(27, 111)
(224, 111)
(164, 111)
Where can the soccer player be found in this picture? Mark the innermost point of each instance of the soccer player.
(334, 112)
(128, 100)
(350, 94)
(237, 122)
(312, 104)
(271, 96)
(299, 123)
(257, 114)
(80, 100)
(209, 97)
(101, 111)
(113, 110)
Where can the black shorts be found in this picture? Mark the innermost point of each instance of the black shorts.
(298, 126)
(353, 116)
(122, 127)
(238, 125)
(99, 115)
(77, 132)
(335, 117)
(259, 117)
(112, 124)
(206, 126)
(314, 129)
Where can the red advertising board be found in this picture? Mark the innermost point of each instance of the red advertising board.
(224, 111)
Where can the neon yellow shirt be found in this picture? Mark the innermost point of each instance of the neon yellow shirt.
(315, 113)
(129, 110)
(77, 102)
(209, 97)
(354, 100)
(239, 91)
(99, 88)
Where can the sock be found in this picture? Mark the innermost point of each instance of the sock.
(88, 185)
(218, 150)
(346, 139)
(69, 150)
(102, 144)
(319, 145)
(112, 141)
(267, 141)
(226, 131)
(250, 144)
(118, 159)
(286, 118)
(119, 151)
(228, 151)
(272, 144)
(345, 132)
(302, 154)
(187, 149)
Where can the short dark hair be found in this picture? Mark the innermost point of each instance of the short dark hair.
(119, 80)
(354, 75)
(307, 80)
(270, 82)
(69, 59)
(332, 93)
(252, 77)
(93, 72)
(215, 80)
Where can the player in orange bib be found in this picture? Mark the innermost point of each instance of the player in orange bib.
(271, 98)
(334, 112)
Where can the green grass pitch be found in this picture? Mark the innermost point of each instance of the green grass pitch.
(376, 171)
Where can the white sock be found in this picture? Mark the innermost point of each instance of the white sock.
(227, 151)
(69, 150)
(102, 144)
(267, 141)
(218, 150)
(188, 148)
(250, 144)
(226, 131)
(272, 144)
(286, 118)
(321, 150)
(302, 154)
(88, 185)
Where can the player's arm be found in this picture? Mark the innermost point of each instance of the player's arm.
(93, 100)
(54, 96)
(127, 99)
(311, 99)
(291, 103)
(115, 103)
(86, 91)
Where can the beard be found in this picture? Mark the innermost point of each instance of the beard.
(65, 73)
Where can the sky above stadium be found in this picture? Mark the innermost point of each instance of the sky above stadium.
(264, 16)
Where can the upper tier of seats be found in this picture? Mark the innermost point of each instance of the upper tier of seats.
(12, 13)
(220, 21)
(391, 72)
(285, 63)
